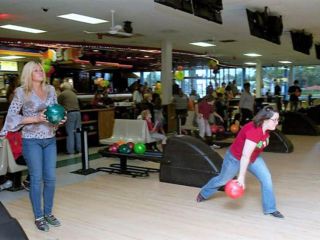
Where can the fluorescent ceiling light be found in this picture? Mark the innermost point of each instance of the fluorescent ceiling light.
(252, 54)
(250, 63)
(203, 44)
(82, 18)
(285, 62)
(22, 29)
(11, 57)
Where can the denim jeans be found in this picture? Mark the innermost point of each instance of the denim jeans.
(41, 158)
(230, 169)
(73, 138)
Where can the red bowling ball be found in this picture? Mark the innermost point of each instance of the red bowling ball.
(233, 189)
(113, 148)
(130, 145)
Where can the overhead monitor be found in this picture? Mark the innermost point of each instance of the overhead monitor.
(301, 41)
(317, 47)
(265, 26)
(207, 9)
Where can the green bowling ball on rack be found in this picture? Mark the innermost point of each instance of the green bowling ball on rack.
(139, 148)
(55, 113)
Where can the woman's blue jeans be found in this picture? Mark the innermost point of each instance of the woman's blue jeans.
(41, 158)
(230, 169)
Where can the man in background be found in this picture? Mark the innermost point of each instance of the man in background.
(294, 92)
(69, 100)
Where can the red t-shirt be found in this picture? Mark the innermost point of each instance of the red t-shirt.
(205, 109)
(255, 134)
(150, 125)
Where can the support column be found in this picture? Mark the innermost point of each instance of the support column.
(258, 79)
(166, 74)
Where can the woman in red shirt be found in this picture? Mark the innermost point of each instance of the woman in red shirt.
(243, 155)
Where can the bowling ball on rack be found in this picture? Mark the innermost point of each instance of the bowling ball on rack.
(139, 148)
(124, 148)
(214, 128)
(55, 113)
(85, 117)
(130, 145)
(113, 148)
(233, 189)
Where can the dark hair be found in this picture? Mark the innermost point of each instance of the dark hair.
(265, 113)
(209, 98)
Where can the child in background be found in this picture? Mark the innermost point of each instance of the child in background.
(153, 129)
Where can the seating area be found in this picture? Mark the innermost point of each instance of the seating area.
(9, 165)
(129, 130)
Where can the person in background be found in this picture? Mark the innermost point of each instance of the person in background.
(158, 113)
(246, 104)
(26, 111)
(137, 99)
(244, 155)
(277, 94)
(234, 88)
(97, 100)
(181, 103)
(69, 100)
(56, 84)
(203, 110)
(147, 103)
(11, 89)
(294, 92)
(154, 128)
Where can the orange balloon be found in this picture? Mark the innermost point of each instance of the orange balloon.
(234, 128)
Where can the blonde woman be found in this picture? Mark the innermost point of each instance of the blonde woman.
(26, 111)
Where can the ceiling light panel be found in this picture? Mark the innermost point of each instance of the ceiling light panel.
(252, 55)
(11, 57)
(82, 18)
(203, 44)
(22, 29)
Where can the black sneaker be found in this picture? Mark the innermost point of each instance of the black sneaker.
(200, 198)
(26, 185)
(42, 224)
(52, 220)
(277, 214)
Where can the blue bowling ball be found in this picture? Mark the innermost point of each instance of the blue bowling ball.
(55, 113)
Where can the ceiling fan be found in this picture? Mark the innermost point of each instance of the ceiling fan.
(117, 31)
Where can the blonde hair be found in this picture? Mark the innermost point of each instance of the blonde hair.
(144, 114)
(26, 76)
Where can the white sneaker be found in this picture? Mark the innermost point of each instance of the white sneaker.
(6, 185)
(214, 146)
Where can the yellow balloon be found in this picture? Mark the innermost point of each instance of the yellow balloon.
(179, 75)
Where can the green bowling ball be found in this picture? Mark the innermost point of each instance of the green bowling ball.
(55, 113)
(139, 148)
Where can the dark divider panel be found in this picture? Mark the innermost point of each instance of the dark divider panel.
(279, 143)
(296, 123)
(10, 228)
(314, 114)
(189, 161)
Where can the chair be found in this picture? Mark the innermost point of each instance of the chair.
(14, 169)
(3, 160)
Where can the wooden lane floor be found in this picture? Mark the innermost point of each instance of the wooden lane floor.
(104, 206)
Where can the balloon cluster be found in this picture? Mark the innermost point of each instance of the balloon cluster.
(179, 74)
(49, 57)
(101, 82)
